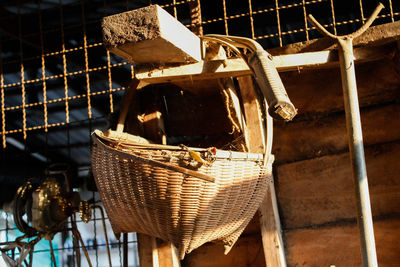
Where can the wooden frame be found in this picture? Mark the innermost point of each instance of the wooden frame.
(237, 67)
(307, 59)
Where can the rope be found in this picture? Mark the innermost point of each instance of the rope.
(22, 74)
(228, 103)
(225, 17)
(251, 19)
(305, 20)
(64, 58)
(43, 70)
(3, 114)
(362, 12)
(391, 10)
(195, 17)
(110, 82)
(86, 62)
(279, 22)
(334, 19)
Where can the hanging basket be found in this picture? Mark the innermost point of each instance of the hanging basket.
(170, 193)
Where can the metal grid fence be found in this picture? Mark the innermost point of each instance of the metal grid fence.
(70, 71)
(58, 83)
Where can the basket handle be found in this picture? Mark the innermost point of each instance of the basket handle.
(129, 94)
(156, 162)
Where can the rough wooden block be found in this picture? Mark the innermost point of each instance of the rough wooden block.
(150, 35)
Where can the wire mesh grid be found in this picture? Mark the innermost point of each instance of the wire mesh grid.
(58, 82)
(52, 71)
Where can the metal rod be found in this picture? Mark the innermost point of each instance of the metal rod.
(76, 241)
(105, 232)
(53, 258)
(354, 132)
(78, 235)
(125, 249)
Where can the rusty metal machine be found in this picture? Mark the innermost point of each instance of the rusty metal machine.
(49, 204)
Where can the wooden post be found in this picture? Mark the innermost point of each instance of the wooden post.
(269, 216)
(145, 249)
(167, 254)
(154, 252)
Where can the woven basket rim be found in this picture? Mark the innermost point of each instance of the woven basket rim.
(124, 143)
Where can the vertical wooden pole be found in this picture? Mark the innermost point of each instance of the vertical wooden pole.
(167, 256)
(154, 252)
(269, 216)
(145, 249)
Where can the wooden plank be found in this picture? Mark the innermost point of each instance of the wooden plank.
(271, 232)
(190, 72)
(246, 252)
(268, 211)
(150, 35)
(316, 138)
(253, 114)
(339, 245)
(321, 190)
(237, 67)
(377, 35)
(316, 93)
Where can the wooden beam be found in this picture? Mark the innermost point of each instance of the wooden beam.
(374, 36)
(155, 252)
(146, 246)
(167, 254)
(269, 216)
(237, 67)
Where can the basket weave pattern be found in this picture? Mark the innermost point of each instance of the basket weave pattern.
(171, 205)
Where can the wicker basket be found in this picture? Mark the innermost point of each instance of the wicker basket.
(163, 191)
